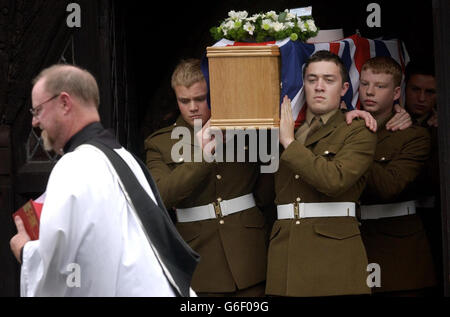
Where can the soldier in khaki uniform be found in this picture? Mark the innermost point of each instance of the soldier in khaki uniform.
(315, 245)
(421, 103)
(392, 231)
(214, 202)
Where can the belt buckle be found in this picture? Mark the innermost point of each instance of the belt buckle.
(297, 212)
(217, 209)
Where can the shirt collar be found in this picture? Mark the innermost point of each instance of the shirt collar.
(91, 131)
(325, 117)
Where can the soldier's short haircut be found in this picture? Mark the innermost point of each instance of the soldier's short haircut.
(327, 56)
(187, 73)
(419, 67)
(71, 79)
(385, 65)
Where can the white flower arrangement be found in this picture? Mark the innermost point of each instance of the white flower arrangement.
(262, 27)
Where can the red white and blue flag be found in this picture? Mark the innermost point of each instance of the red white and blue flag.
(354, 52)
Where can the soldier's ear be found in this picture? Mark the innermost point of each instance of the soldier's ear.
(345, 87)
(397, 93)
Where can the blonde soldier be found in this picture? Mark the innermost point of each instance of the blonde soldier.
(214, 203)
(315, 247)
(392, 231)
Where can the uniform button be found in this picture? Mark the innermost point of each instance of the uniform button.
(326, 152)
(297, 222)
(221, 222)
(219, 199)
(297, 176)
(383, 158)
(219, 177)
(299, 199)
(181, 160)
(246, 147)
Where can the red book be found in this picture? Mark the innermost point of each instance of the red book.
(31, 215)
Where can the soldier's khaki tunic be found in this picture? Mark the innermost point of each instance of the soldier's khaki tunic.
(233, 254)
(398, 244)
(321, 256)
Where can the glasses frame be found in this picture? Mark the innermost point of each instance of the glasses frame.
(36, 111)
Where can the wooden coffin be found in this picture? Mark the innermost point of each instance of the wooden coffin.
(244, 86)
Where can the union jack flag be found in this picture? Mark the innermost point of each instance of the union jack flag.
(354, 52)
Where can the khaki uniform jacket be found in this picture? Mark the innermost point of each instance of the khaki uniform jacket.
(321, 256)
(398, 244)
(233, 254)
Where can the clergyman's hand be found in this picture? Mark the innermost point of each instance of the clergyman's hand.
(18, 241)
(287, 123)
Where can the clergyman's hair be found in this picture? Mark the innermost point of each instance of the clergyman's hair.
(385, 65)
(70, 79)
(187, 73)
(327, 56)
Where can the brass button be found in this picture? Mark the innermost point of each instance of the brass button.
(383, 158)
(326, 152)
(299, 199)
(219, 199)
(297, 176)
(219, 177)
(181, 160)
(246, 147)
(297, 222)
(175, 124)
(221, 222)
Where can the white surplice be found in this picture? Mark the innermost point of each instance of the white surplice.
(91, 241)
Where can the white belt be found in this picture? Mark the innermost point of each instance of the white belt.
(426, 202)
(388, 210)
(313, 210)
(216, 209)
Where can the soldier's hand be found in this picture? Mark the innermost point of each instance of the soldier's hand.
(371, 123)
(287, 123)
(206, 137)
(400, 121)
(433, 121)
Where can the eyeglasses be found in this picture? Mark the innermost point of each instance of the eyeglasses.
(35, 111)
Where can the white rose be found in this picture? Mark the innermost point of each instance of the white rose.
(289, 25)
(301, 25)
(272, 14)
(229, 24)
(290, 16)
(242, 14)
(277, 26)
(311, 25)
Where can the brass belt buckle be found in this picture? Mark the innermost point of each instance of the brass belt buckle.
(297, 213)
(217, 209)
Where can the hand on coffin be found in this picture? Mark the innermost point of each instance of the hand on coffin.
(207, 137)
(287, 123)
